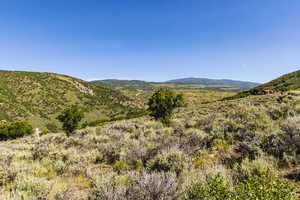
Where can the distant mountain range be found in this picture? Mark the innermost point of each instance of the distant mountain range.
(206, 81)
(184, 83)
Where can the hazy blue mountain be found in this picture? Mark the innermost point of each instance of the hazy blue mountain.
(206, 81)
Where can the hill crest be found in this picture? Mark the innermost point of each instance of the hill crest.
(39, 96)
(287, 82)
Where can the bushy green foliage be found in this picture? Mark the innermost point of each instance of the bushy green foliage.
(70, 117)
(254, 188)
(261, 188)
(214, 189)
(120, 166)
(14, 130)
(162, 103)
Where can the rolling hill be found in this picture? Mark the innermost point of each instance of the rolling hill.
(287, 82)
(39, 97)
(126, 84)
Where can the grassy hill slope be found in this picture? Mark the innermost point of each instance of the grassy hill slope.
(39, 97)
(287, 82)
(126, 84)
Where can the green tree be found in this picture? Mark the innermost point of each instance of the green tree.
(70, 117)
(162, 103)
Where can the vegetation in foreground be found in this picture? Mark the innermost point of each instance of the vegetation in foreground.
(239, 149)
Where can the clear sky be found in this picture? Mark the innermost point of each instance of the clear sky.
(255, 40)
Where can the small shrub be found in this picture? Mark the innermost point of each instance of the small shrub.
(203, 160)
(261, 167)
(171, 161)
(273, 145)
(44, 132)
(157, 186)
(110, 151)
(195, 138)
(214, 189)
(52, 127)
(120, 166)
(40, 150)
(14, 130)
(32, 187)
(60, 167)
(7, 171)
(220, 145)
(248, 150)
(291, 135)
(109, 187)
(207, 123)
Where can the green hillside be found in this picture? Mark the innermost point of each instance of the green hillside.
(287, 82)
(39, 97)
(126, 84)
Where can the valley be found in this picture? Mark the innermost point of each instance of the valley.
(214, 145)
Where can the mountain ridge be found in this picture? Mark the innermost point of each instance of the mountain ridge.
(207, 81)
(191, 83)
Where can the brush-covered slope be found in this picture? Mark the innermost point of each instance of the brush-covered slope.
(206, 81)
(254, 138)
(287, 82)
(39, 97)
(126, 84)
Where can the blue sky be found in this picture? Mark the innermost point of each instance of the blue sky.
(155, 40)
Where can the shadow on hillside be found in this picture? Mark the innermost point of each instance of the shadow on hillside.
(295, 175)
